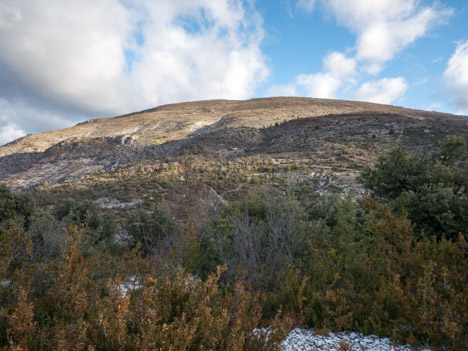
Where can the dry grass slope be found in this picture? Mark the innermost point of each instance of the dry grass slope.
(332, 138)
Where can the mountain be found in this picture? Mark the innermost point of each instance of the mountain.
(324, 143)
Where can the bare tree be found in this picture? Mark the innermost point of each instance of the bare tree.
(259, 248)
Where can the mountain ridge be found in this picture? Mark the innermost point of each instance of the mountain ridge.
(335, 133)
(324, 106)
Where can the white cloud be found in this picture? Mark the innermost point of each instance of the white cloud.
(9, 133)
(111, 56)
(8, 15)
(383, 91)
(338, 65)
(386, 27)
(456, 75)
(319, 85)
(433, 107)
(337, 69)
(383, 29)
(69, 52)
(372, 68)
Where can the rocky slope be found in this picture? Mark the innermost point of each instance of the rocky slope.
(325, 142)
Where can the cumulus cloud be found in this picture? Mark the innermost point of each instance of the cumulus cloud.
(319, 85)
(383, 29)
(9, 133)
(337, 68)
(456, 75)
(383, 91)
(110, 57)
(68, 53)
(386, 27)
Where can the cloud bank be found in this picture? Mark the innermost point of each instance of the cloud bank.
(79, 59)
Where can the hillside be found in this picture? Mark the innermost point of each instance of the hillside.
(179, 121)
(321, 136)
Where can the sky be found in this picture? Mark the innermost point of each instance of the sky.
(66, 61)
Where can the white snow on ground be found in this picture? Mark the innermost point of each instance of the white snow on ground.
(306, 340)
(129, 283)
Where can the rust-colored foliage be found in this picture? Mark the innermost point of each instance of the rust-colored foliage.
(411, 290)
(368, 273)
(179, 313)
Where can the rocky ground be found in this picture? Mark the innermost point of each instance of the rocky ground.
(307, 340)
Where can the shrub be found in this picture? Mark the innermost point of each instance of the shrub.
(258, 235)
(13, 206)
(79, 313)
(155, 229)
(432, 191)
(386, 282)
(97, 229)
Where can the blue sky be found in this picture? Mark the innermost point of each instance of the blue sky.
(63, 61)
(299, 38)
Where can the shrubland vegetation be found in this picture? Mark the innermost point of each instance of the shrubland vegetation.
(432, 190)
(171, 275)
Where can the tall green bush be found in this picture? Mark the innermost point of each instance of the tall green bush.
(433, 191)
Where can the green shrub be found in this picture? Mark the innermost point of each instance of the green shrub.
(384, 281)
(13, 206)
(98, 229)
(155, 229)
(433, 191)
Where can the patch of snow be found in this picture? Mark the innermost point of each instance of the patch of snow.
(307, 340)
(130, 283)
